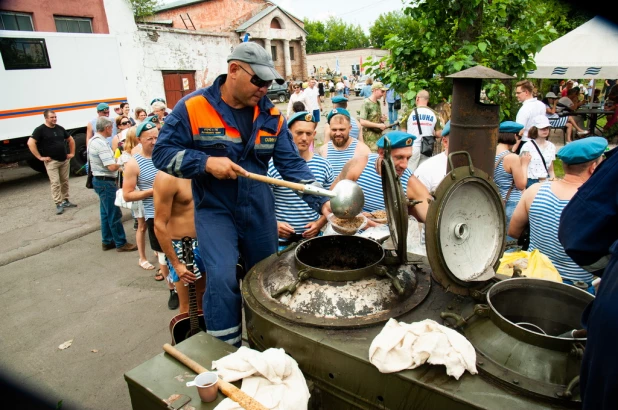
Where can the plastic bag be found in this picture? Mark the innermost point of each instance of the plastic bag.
(533, 265)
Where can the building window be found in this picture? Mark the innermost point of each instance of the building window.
(292, 53)
(274, 23)
(24, 53)
(15, 21)
(273, 52)
(73, 25)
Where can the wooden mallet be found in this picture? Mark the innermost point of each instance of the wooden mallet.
(231, 391)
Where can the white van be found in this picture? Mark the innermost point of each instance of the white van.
(69, 73)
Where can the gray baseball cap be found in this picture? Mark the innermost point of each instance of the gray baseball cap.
(259, 60)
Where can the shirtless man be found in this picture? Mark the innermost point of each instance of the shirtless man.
(173, 221)
(341, 148)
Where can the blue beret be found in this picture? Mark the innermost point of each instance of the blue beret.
(447, 129)
(300, 116)
(157, 100)
(583, 150)
(102, 106)
(510, 127)
(144, 126)
(336, 111)
(339, 99)
(399, 139)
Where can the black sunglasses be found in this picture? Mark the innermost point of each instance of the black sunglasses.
(125, 122)
(255, 80)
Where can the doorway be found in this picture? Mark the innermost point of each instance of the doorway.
(177, 84)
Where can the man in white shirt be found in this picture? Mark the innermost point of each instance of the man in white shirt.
(429, 123)
(530, 108)
(433, 171)
(312, 98)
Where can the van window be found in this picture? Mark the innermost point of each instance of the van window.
(24, 53)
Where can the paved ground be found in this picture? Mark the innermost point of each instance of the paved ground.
(58, 285)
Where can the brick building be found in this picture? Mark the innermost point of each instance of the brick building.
(70, 16)
(266, 23)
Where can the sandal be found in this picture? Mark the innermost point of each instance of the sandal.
(146, 265)
(159, 276)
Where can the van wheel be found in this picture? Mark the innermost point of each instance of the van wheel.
(37, 165)
(78, 162)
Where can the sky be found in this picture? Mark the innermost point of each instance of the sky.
(362, 12)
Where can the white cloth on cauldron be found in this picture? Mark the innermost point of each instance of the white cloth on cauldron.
(401, 346)
(271, 377)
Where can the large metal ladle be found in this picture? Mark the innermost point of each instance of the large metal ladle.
(346, 200)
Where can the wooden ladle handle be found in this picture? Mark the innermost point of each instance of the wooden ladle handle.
(231, 391)
(262, 178)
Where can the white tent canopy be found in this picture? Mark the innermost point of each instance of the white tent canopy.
(589, 51)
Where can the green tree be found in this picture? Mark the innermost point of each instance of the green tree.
(333, 35)
(390, 24)
(143, 8)
(455, 35)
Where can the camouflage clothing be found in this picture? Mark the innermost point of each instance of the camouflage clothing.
(371, 111)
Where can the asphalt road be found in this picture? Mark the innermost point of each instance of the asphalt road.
(58, 285)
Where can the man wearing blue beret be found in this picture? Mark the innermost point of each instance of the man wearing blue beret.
(295, 219)
(341, 148)
(541, 206)
(355, 130)
(367, 173)
(589, 236)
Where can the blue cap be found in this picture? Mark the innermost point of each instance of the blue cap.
(398, 139)
(510, 127)
(300, 116)
(102, 107)
(143, 127)
(339, 99)
(336, 111)
(447, 129)
(583, 150)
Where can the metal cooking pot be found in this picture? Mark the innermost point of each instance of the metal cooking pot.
(538, 311)
(339, 259)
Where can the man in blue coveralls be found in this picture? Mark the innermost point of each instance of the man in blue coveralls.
(589, 236)
(213, 135)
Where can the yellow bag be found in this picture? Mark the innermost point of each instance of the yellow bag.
(533, 265)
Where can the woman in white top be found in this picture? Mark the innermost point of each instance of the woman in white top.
(542, 152)
(297, 95)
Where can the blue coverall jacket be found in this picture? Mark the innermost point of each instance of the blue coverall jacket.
(589, 234)
(231, 216)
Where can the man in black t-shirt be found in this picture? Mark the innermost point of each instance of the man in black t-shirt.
(48, 144)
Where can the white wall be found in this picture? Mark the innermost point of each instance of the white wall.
(346, 59)
(147, 50)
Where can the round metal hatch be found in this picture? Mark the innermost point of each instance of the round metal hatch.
(465, 229)
(396, 204)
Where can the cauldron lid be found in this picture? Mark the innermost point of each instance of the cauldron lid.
(396, 203)
(465, 229)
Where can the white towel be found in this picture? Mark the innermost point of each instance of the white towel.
(401, 346)
(271, 377)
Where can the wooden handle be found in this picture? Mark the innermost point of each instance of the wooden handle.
(231, 391)
(292, 185)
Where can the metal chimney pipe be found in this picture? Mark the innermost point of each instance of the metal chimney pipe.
(474, 125)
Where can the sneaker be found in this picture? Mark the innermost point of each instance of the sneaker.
(127, 247)
(108, 246)
(582, 133)
(173, 301)
(59, 209)
(68, 204)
